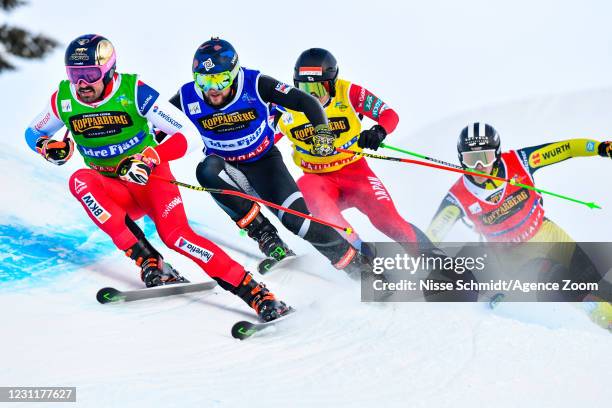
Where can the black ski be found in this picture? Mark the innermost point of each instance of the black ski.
(244, 329)
(269, 264)
(112, 295)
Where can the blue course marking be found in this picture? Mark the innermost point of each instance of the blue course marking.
(37, 255)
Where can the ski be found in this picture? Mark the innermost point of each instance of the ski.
(112, 295)
(267, 265)
(245, 329)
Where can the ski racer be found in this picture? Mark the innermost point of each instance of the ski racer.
(336, 182)
(504, 212)
(109, 115)
(230, 106)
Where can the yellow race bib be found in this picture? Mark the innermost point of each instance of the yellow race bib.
(343, 121)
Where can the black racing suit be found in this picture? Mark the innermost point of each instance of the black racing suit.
(268, 177)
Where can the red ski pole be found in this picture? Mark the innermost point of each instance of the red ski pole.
(348, 230)
(512, 181)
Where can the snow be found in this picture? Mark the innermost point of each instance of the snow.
(336, 351)
(539, 74)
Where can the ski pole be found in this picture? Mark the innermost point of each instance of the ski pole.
(432, 159)
(348, 230)
(457, 169)
(420, 156)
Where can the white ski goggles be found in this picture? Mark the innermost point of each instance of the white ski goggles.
(484, 157)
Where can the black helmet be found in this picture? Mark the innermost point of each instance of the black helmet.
(316, 65)
(478, 143)
(90, 50)
(214, 57)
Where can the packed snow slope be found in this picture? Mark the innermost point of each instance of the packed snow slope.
(335, 352)
(543, 83)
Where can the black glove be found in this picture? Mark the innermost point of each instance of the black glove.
(605, 149)
(55, 151)
(371, 139)
(323, 141)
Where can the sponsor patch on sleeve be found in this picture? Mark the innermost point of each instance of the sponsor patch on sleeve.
(146, 96)
(535, 160)
(590, 147)
(283, 88)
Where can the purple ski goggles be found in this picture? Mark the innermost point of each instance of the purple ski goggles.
(90, 75)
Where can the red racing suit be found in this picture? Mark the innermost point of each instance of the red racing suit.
(334, 183)
(107, 200)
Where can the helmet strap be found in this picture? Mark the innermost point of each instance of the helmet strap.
(332, 84)
(108, 77)
(332, 88)
(330, 97)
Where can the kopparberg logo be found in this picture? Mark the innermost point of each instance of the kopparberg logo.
(220, 120)
(305, 132)
(100, 124)
(510, 206)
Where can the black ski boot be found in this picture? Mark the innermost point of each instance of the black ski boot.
(272, 246)
(275, 249)
(261, 299)
(153, 270)
(361, 268)
(358, 265)
(360, 262)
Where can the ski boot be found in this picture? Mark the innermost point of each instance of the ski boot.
(275, 249)
(361, 261)
(270, 244)
(361, 268)
(260, 299)
(153, 270)
(358, 265)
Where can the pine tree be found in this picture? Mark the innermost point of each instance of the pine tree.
(19, 42)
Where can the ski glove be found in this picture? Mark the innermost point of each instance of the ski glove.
(57, 152)
(372, 138)
(323, 141)
(605, 149)
(138, 167)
